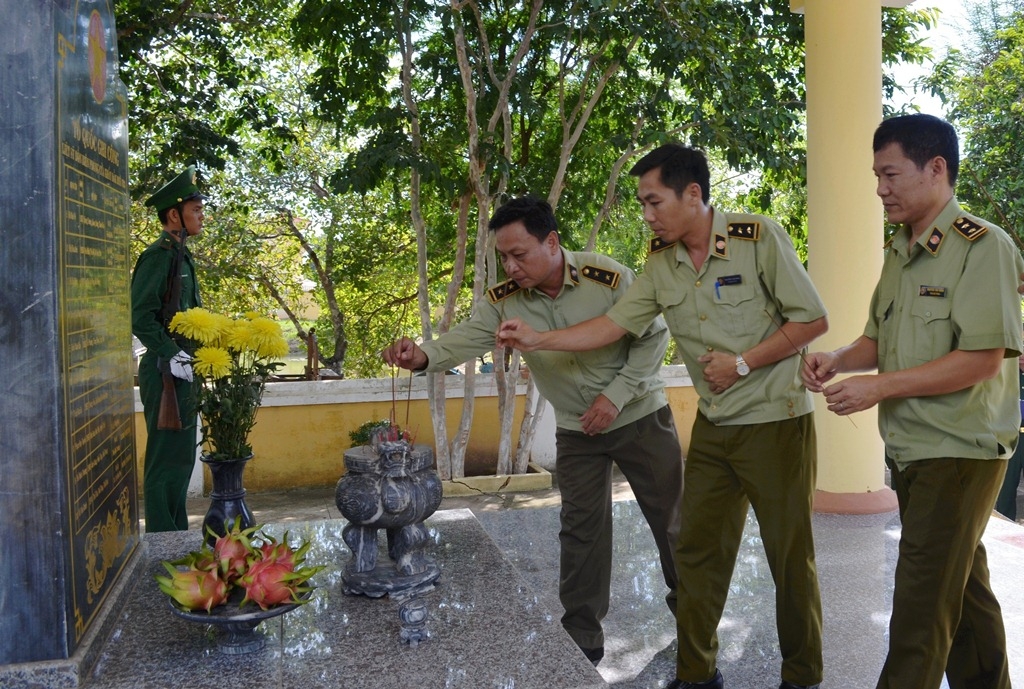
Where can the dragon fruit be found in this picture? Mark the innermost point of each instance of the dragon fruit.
(194, 589)
(275, 576)
(233, 550)
(268, 583)
(268, 570)
(281, 552)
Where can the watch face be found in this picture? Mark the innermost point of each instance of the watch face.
(741, 367)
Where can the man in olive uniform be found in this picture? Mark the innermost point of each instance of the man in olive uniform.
(944, 334)
(610, 403)
(170, 454)
(740, 306)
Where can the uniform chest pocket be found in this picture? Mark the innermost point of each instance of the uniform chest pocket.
(734, 295)
(738, 309)
(929, 309)
(932, 328)
(673, 308)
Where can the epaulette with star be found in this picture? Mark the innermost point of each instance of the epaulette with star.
(608, 278)
(745, 230)
(968, 228)
(502, 291)
(659, 244)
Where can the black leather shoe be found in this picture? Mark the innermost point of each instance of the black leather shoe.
(790, 685)
(594, 655)
(716, 682)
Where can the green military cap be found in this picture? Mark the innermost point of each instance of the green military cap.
(181, 188)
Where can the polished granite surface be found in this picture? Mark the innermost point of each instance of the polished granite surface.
(494, 616)
(856, 557)
(487, 628)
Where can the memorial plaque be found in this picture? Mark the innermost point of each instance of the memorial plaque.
(69, 499)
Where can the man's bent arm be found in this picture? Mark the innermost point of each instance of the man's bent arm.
(786, 341)
(645, 356)
(582, 337)
(952, 372)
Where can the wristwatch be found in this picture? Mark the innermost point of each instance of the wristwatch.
(741, 365)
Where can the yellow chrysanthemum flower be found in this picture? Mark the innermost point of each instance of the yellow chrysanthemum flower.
(265, 337)
(223, 324)
(197, 324)
(236, 336)
(272, 349)
(212, 362)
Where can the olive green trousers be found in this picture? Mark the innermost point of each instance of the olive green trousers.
(772, 468)
(170, 455)
(945, 618)
(647, 452)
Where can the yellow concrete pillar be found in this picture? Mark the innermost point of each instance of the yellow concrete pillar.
(844, 220)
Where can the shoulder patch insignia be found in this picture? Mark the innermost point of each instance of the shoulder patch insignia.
(745, 230)
(505, 289)
(969, 229)
(659, 244)
(609, 278)
(934, 241)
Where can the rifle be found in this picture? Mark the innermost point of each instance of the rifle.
(169, 416)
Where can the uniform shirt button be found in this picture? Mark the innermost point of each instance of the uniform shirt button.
(697, 284)
(703, 317)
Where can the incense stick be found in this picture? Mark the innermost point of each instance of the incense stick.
(796, 349)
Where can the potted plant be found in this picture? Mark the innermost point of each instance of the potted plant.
(231, 364)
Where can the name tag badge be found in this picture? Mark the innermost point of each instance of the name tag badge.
(930, 291)
(726, 280)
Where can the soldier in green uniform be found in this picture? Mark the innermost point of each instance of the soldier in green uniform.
(740, 306)
(1006, 501)
(170, 454)
(943, 333)
(609, 404)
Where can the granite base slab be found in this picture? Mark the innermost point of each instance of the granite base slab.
(487, 627)
(69, 673)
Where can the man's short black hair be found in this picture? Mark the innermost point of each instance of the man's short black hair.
(535, 213)
(680, 166)
(922, 138)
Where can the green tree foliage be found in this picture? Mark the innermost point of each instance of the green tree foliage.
(295, 112)
(983, 83)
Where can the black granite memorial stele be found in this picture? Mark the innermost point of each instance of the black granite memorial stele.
(69, 499)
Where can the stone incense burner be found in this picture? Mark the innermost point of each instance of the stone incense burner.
(390, 485)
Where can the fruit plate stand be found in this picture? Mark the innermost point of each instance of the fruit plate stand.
(237, 626)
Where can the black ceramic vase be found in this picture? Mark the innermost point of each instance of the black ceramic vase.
(227, 499)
